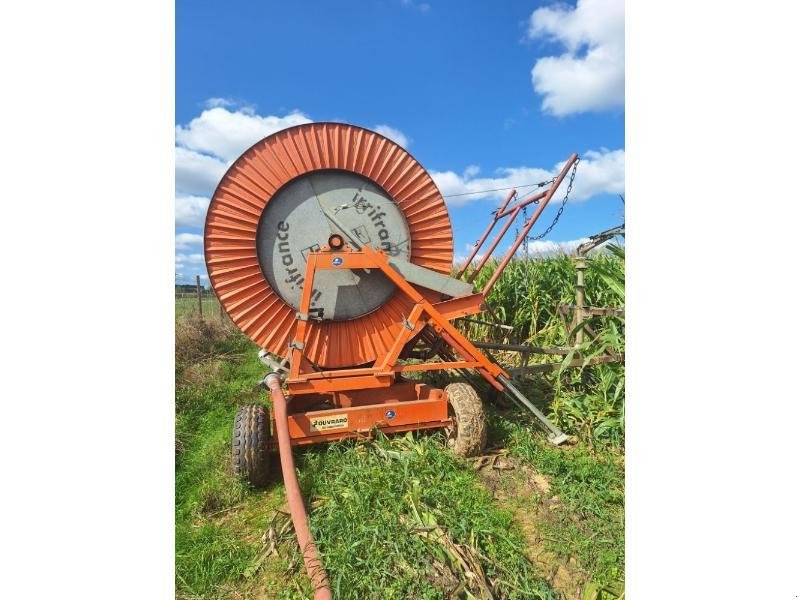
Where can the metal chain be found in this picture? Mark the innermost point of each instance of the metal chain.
(560, 208)
(527, 256)
(527, 237)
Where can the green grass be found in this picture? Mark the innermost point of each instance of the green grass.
(209, 553)
(395, 518)
(374, 497)
(188, 306)
(590, 484)
(386, 514)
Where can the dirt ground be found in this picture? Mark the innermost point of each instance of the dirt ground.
(526, 493)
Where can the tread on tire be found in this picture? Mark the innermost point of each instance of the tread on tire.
(467, 436)
(249, 455)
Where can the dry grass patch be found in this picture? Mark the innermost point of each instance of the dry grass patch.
(197, 343)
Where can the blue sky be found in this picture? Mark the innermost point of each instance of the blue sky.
(483, 94)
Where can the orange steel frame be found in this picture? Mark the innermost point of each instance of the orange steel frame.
(368, 398)
(374, 397)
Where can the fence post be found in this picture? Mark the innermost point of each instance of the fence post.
(580, 297)
(221, 311)
(199, 296)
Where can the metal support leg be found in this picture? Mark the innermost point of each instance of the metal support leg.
(556, 437)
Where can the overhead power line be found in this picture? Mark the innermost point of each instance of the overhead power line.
(503, 189)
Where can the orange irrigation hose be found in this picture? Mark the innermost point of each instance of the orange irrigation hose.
(314, 568)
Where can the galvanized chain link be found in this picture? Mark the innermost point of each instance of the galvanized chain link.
(560, 208)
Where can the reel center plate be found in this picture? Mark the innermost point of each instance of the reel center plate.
(300, 218)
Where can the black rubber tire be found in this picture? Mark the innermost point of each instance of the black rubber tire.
(249, 454)
(467, 436)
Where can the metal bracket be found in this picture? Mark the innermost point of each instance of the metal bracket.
(296, 345)
(300, 316)
(277, 366)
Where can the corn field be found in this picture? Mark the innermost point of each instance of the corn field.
(587, 401)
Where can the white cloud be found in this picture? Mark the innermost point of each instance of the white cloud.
(590, 75)
(184, 241)
(196, 258)
(226, 134)
(197, 173)
(536, 249)
(599, 172)
(190, 211)
(472, 171)
(184, 278)
(549, 247)
(394, 134)
(453, 184)
(186, 271)
(460, 259)
(209, 144)
(187, 266)
(227, 103)
(422, 7)
(205, 149)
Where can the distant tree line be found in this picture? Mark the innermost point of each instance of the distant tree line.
(188, 288)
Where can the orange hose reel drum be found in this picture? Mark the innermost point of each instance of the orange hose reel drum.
(284, 197)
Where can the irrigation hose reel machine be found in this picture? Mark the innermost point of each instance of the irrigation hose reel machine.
(331, 248)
